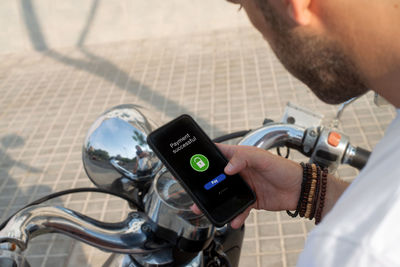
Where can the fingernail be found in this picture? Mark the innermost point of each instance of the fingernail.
(234, 225)
(229, 167)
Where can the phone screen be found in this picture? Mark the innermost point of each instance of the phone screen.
(199, 165)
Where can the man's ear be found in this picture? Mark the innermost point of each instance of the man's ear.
(299, 11)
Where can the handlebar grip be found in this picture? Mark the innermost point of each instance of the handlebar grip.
(360, 158)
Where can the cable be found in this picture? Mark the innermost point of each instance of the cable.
(66, 192)
(278, 151)
(227, 137)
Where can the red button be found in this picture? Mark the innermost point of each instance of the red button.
(334, 139)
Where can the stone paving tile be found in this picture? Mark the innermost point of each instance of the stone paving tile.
(227, 80)
(292, 228)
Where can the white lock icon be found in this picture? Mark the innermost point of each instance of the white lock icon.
(199, 162)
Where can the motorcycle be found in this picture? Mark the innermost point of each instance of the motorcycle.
(162, 230)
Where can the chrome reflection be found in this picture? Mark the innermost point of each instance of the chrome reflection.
(273, 135)
(115, 152)
(168, 205)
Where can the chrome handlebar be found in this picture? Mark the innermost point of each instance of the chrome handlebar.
(129, 236)
(314, 142)
(273, 135)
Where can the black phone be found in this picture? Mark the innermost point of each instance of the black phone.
(197, 163)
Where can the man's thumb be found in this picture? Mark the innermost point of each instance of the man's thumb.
(235, 165)
(229, 169)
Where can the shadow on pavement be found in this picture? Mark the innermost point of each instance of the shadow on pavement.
(8, 185)
(124, 82)
(39, 43)
(13, 195)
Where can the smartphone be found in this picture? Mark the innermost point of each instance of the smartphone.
(197, 163)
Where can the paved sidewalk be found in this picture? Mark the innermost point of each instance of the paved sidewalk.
(43, 24)
(228, 80)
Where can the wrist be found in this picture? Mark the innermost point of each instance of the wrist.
(336, 188)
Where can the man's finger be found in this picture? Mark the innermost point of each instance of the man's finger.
(239, 220)
(196, 209)
(237, 163)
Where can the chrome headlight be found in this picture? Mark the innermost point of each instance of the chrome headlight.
(115, 151)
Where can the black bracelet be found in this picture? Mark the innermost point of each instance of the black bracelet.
(303, 183)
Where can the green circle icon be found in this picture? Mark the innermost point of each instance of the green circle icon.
(199, 163)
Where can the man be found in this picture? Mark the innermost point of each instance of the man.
(339, 48)
(142, 165)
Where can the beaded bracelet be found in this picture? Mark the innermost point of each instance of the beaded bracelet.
(315, 202)
(324, 182)
(311, 197)
(304, 197)
(293, 215)
(312, 193)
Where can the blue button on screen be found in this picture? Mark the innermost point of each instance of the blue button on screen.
(214, 181)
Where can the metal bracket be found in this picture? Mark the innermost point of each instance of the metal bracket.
(301, 116)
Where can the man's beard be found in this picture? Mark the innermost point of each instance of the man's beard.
(320, 63)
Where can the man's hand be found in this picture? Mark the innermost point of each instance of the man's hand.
(275, 180)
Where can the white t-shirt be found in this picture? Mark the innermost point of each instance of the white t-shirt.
(363, 228)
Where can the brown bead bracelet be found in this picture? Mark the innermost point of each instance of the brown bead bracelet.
(315, 200)
(304, 197)
(312, 193)
(324, 181)
(311, 197)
